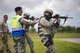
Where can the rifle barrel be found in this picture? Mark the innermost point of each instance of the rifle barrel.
(64, 17)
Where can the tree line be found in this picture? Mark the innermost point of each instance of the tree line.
(69, 29)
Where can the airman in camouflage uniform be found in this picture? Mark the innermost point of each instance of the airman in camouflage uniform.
(46, 30)
(27, 36)
(19, 33)
(5, 32)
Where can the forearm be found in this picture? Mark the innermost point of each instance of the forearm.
(2, 29)
(57, 23)
(40, 31)
(25, 21)
(33, 22)
(8, 30)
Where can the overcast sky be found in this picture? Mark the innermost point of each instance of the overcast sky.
(37, 7)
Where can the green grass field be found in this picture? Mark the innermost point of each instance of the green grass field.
(67, 35)
(60, 46)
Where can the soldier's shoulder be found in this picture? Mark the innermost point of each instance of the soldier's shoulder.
(42, 17)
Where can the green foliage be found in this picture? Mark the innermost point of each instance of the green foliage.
(78, 29)
(70, 29)
(67, 35)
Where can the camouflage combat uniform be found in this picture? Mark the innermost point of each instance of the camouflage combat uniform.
(5, 32)
(46, 31)
(19, 42)
(28, 39)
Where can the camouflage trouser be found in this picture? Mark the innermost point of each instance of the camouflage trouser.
(47, 40)
(19, 44)
(30, 42)
(5, 43)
